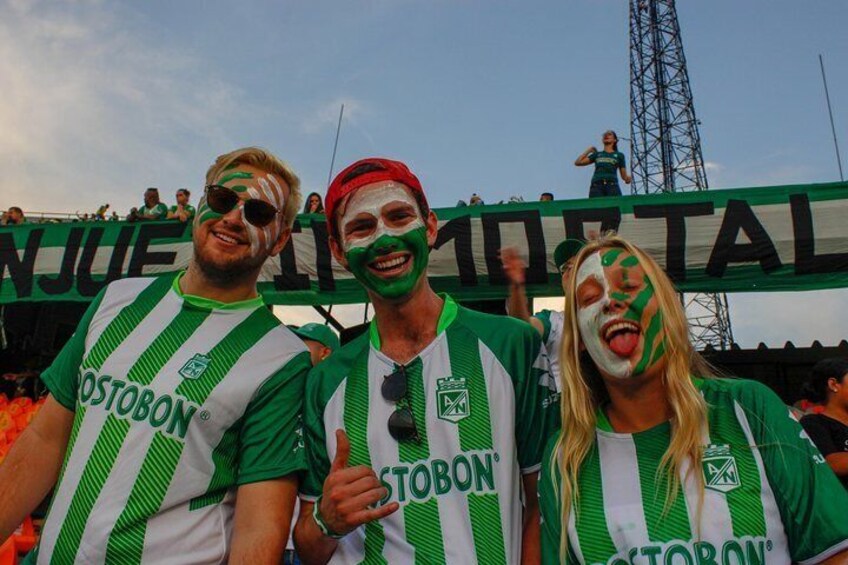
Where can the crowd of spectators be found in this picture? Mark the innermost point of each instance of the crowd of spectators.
(608, 163)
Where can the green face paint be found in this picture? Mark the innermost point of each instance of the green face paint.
(413, 242)
(610, 256)
(613, 270)
(204, 212)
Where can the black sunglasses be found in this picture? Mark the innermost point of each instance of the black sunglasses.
(395, 389)
(222, 200)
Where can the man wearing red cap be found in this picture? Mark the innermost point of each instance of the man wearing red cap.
(424, 436)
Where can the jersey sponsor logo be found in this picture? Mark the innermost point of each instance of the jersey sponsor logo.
(720, 472)
(741, 551)
(452, 399)
(467, 472)
(195, 366)
(166, 413)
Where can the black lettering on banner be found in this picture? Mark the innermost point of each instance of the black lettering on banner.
(537, 269)
(739, 216)
(86, 284)
(289, 279)
(324, 259)
(65, 279)
(148, 232)
(20, 271)
(675, 231)
(806, 260)
(609, 217)
(459, 230)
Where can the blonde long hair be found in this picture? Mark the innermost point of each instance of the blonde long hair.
(583, 392)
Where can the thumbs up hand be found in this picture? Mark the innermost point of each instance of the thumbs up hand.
(351, 492)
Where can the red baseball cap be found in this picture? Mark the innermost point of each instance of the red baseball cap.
(364, 172)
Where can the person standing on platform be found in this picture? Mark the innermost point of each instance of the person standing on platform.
(549, 323)
(659, 461)
(608, 163)
(828, 385)
(424, 434)
(172, 424)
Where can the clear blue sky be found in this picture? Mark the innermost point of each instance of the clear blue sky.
(103, 99)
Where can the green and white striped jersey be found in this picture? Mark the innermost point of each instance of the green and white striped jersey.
(769, 497)
(178, 400)
(553, 323)
(484, 408)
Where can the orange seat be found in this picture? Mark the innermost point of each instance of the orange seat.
(8, 552)
(20, 542)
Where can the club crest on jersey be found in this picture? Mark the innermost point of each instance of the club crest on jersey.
(195, 367)
(452, 399)
(720, 472)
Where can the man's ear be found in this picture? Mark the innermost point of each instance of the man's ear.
(337, 252)
(282, 239)
(432, 224)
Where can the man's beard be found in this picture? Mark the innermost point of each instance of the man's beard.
(228, 273)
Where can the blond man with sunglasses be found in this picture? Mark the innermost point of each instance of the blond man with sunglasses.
(423, 435)
(171, 428)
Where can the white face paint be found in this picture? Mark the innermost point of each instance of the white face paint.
(370, 200)
(591, 319)
(275, 196)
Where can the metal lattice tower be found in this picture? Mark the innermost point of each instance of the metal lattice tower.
(666, 147)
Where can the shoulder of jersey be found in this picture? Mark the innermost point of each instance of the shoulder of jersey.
(744, 391)
(492, 325)
(133, 282)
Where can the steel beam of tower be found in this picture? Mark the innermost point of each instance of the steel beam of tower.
(666, 146)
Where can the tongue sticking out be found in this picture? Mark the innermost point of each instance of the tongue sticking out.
(623, 344)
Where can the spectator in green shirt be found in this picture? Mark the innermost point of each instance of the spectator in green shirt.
(607, 162)
(152, 209)
(183, 211)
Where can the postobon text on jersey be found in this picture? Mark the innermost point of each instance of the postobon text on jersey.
(169, 414)
(423, 479)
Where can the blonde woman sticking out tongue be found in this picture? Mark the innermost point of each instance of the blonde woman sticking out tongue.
(658, 461)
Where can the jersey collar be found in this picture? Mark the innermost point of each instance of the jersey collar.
(446, 318)
(209, 304)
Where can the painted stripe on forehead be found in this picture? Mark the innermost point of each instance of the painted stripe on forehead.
(268, 192)
(631, 261)
(370, 200)
(232, 176)
(610, 256)
(591, 267)
(281, 201)
(252, 231)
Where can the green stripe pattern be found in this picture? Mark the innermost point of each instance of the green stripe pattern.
(356, 426)
(590, 521)
(665, 523)
(745, 503)
(475, 434)
(423, 526)
(126, 542)
(224, 458)
(111, 437)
